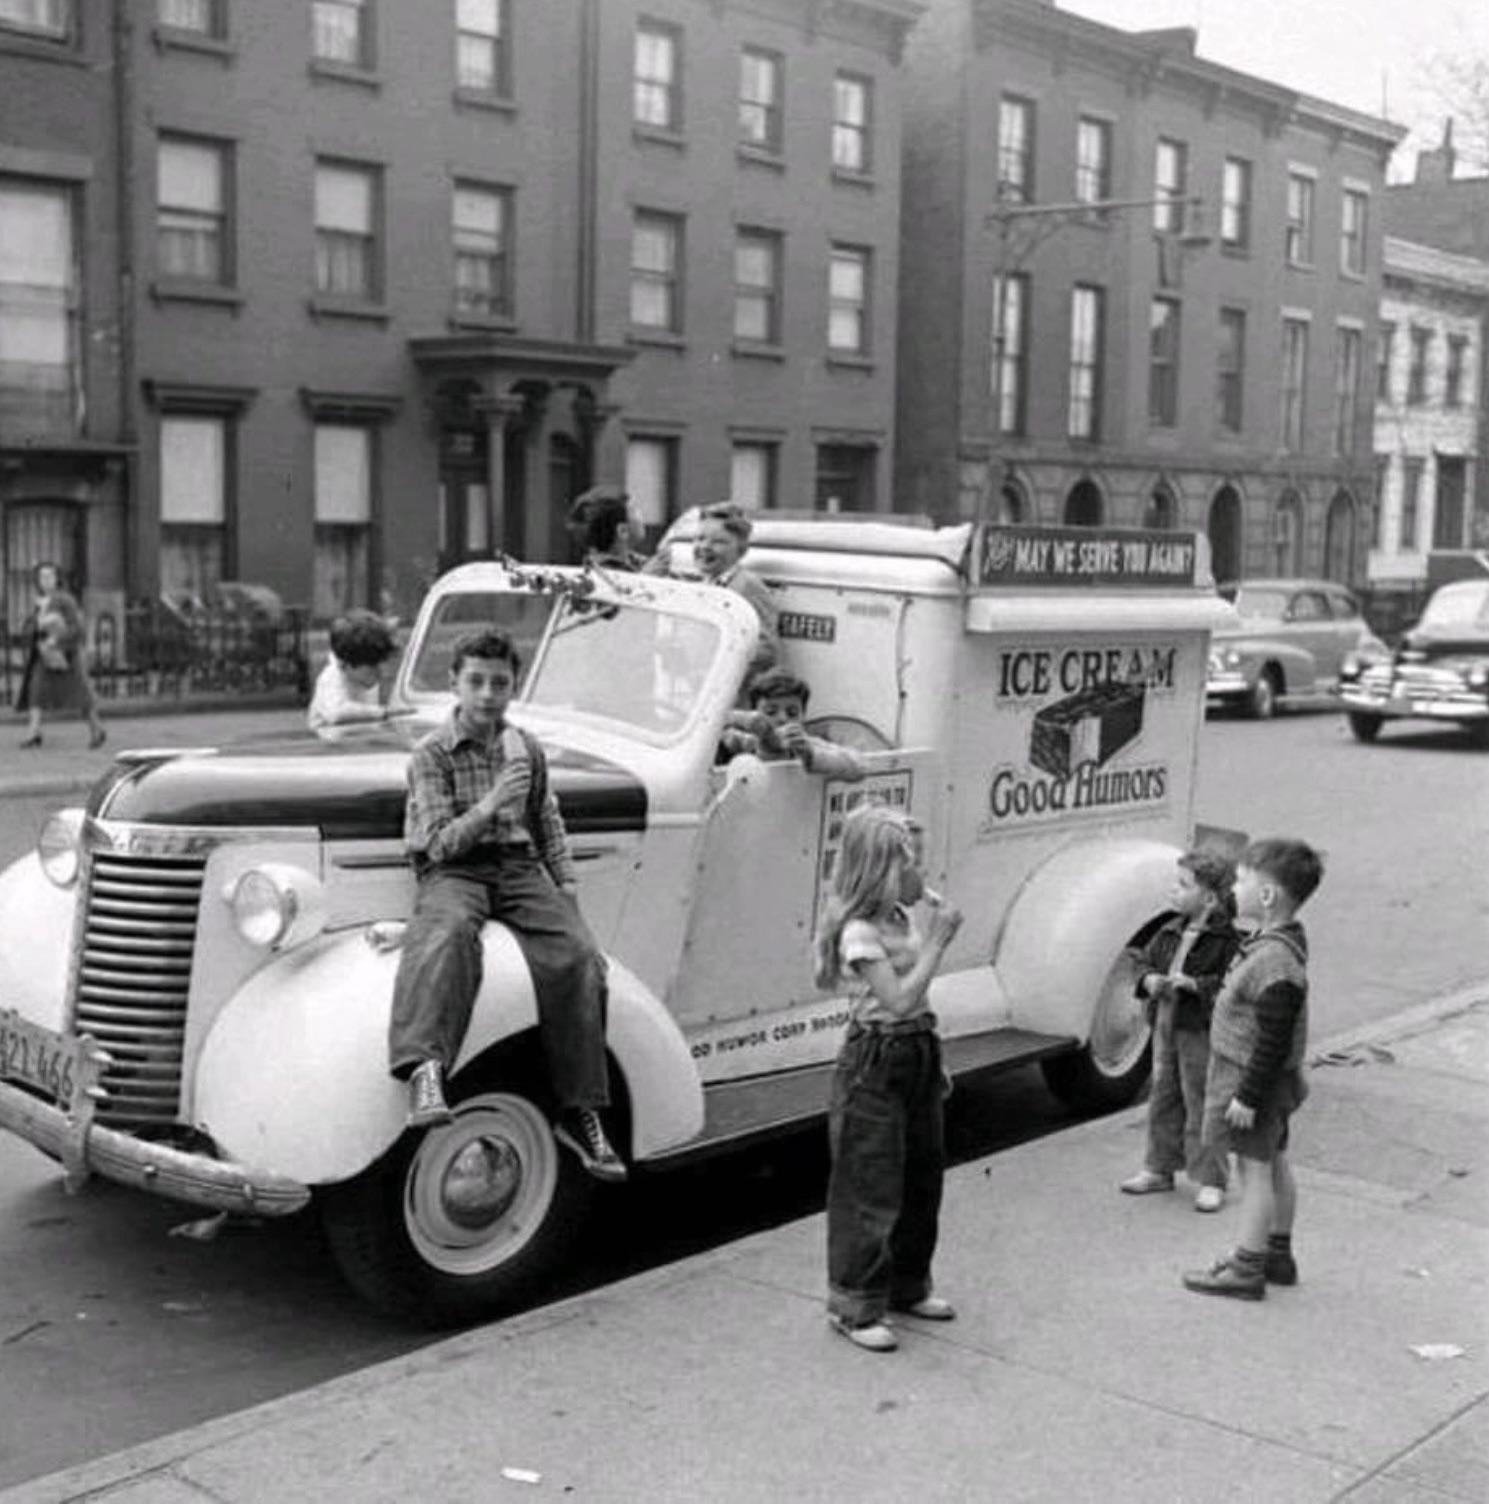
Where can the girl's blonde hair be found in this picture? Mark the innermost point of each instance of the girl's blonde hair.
(878, 845)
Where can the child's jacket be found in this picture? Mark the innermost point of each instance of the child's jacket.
(1261, 1012)
(1205, 965)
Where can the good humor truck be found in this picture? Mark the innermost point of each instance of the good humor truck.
(196, 967)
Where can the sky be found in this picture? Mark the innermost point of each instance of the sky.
(1349, 52)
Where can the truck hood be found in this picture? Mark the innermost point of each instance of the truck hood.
(351, 790)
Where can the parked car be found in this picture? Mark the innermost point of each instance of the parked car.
(196, 969)
(1289, 644)
(1440, 672)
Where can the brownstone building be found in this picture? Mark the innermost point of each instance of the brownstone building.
(1172, 362)
(399, 279)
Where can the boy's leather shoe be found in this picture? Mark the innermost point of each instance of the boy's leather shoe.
(931, 1308)
(1281, 1268)
(582, 1132)
(872, 1336)
(1146, 1182)
(1223, 1278)
(426, 1097)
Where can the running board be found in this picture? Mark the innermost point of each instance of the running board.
(759, 1106)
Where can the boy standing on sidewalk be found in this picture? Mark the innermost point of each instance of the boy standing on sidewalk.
(1182, 969)
(1255, 1083)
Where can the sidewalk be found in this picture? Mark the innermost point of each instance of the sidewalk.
(1079, 1370)
(64, 766)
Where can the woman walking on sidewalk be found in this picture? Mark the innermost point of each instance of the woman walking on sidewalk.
(885, 1118)
(55, 677)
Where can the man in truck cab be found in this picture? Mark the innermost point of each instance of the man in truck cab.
(488, 842)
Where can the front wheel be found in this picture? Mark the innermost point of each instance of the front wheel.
(458, 1224)
(1364, 728)
(1261, 703)
(1112, 1067)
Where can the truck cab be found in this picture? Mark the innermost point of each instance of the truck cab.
(225, 922)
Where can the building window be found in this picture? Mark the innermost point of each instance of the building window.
(1346, 389)
(761, 88)
(1355, 215)
(482, 45)
(1016, 150)
(1413, 469)
(1170, 180)
(1448, 513)
(1294, 381)
(1010, 350)
(757, 286)
(1087, 338)
(651, 480)
(44, 18)
(193, 503)
(346, 259)
(656, 279)
(657, 98)
(343, 517)
(1235, 204)
(1093, 160)
(341, 32)
(848, 300)
(480, 230)
(845, 477)
(1416, 375)
(1384, 351)
(192, 233)
(40, 392)
(204, 17)
(1452, 395)
(852, 122)
(1231, 369)
(1298, 239)
(1163, 363)
(752, 476)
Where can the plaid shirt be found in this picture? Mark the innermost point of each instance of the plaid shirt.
(451, 771)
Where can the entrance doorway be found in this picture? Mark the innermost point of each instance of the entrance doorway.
(1224, 530)
(40, 532)
(1083, 505)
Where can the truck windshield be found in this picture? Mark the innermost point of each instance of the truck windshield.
(521, 616)
(624, 663)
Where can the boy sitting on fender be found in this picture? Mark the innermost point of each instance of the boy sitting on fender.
(771, 729)
(488, 842)
(1183, 965)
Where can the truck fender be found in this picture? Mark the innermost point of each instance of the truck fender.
(1070, 920)
(36, 925)
(318, 1103)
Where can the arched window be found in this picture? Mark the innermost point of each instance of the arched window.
(1162, 510)
(1339, 538)
(1083, 505)
(1012, 506)
(1287, 534)
(1224, 529)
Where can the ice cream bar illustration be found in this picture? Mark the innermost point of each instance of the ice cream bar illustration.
(1089, 726)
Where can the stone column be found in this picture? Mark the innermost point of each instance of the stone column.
(498, 412)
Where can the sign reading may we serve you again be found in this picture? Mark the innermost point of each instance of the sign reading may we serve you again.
(1011, 555)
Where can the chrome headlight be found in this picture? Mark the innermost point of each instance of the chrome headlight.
(1478, 676)
(59, 847)
(1352, 666)
(277, 906)
(1232, 657)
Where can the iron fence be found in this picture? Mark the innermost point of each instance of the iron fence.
(171, 649)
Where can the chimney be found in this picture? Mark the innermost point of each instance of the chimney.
(1437, 166)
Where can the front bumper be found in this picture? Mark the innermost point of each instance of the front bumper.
(197, 1179)
(1222, 687)
(1404, 703)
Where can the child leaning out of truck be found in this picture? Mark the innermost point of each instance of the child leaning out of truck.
(885, 1114)
(1257, 1039)
(772, 730)
(1182, 967)
(347, 689)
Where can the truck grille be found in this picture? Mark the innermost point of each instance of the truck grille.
(133, 977)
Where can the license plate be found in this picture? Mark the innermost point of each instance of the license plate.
(39, 1058)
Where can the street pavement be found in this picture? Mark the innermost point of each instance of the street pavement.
(1079, 1369)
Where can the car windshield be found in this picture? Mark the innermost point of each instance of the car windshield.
(1261, 602)
(522, 616)
(1459, 606)
(626, 663)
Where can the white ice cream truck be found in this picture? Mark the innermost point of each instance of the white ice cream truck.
(196, 968)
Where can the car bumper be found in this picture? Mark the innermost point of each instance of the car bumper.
(197, 1179)
(1415, 704)
(1223, 688)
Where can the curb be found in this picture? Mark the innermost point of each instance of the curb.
(1409, 1021)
